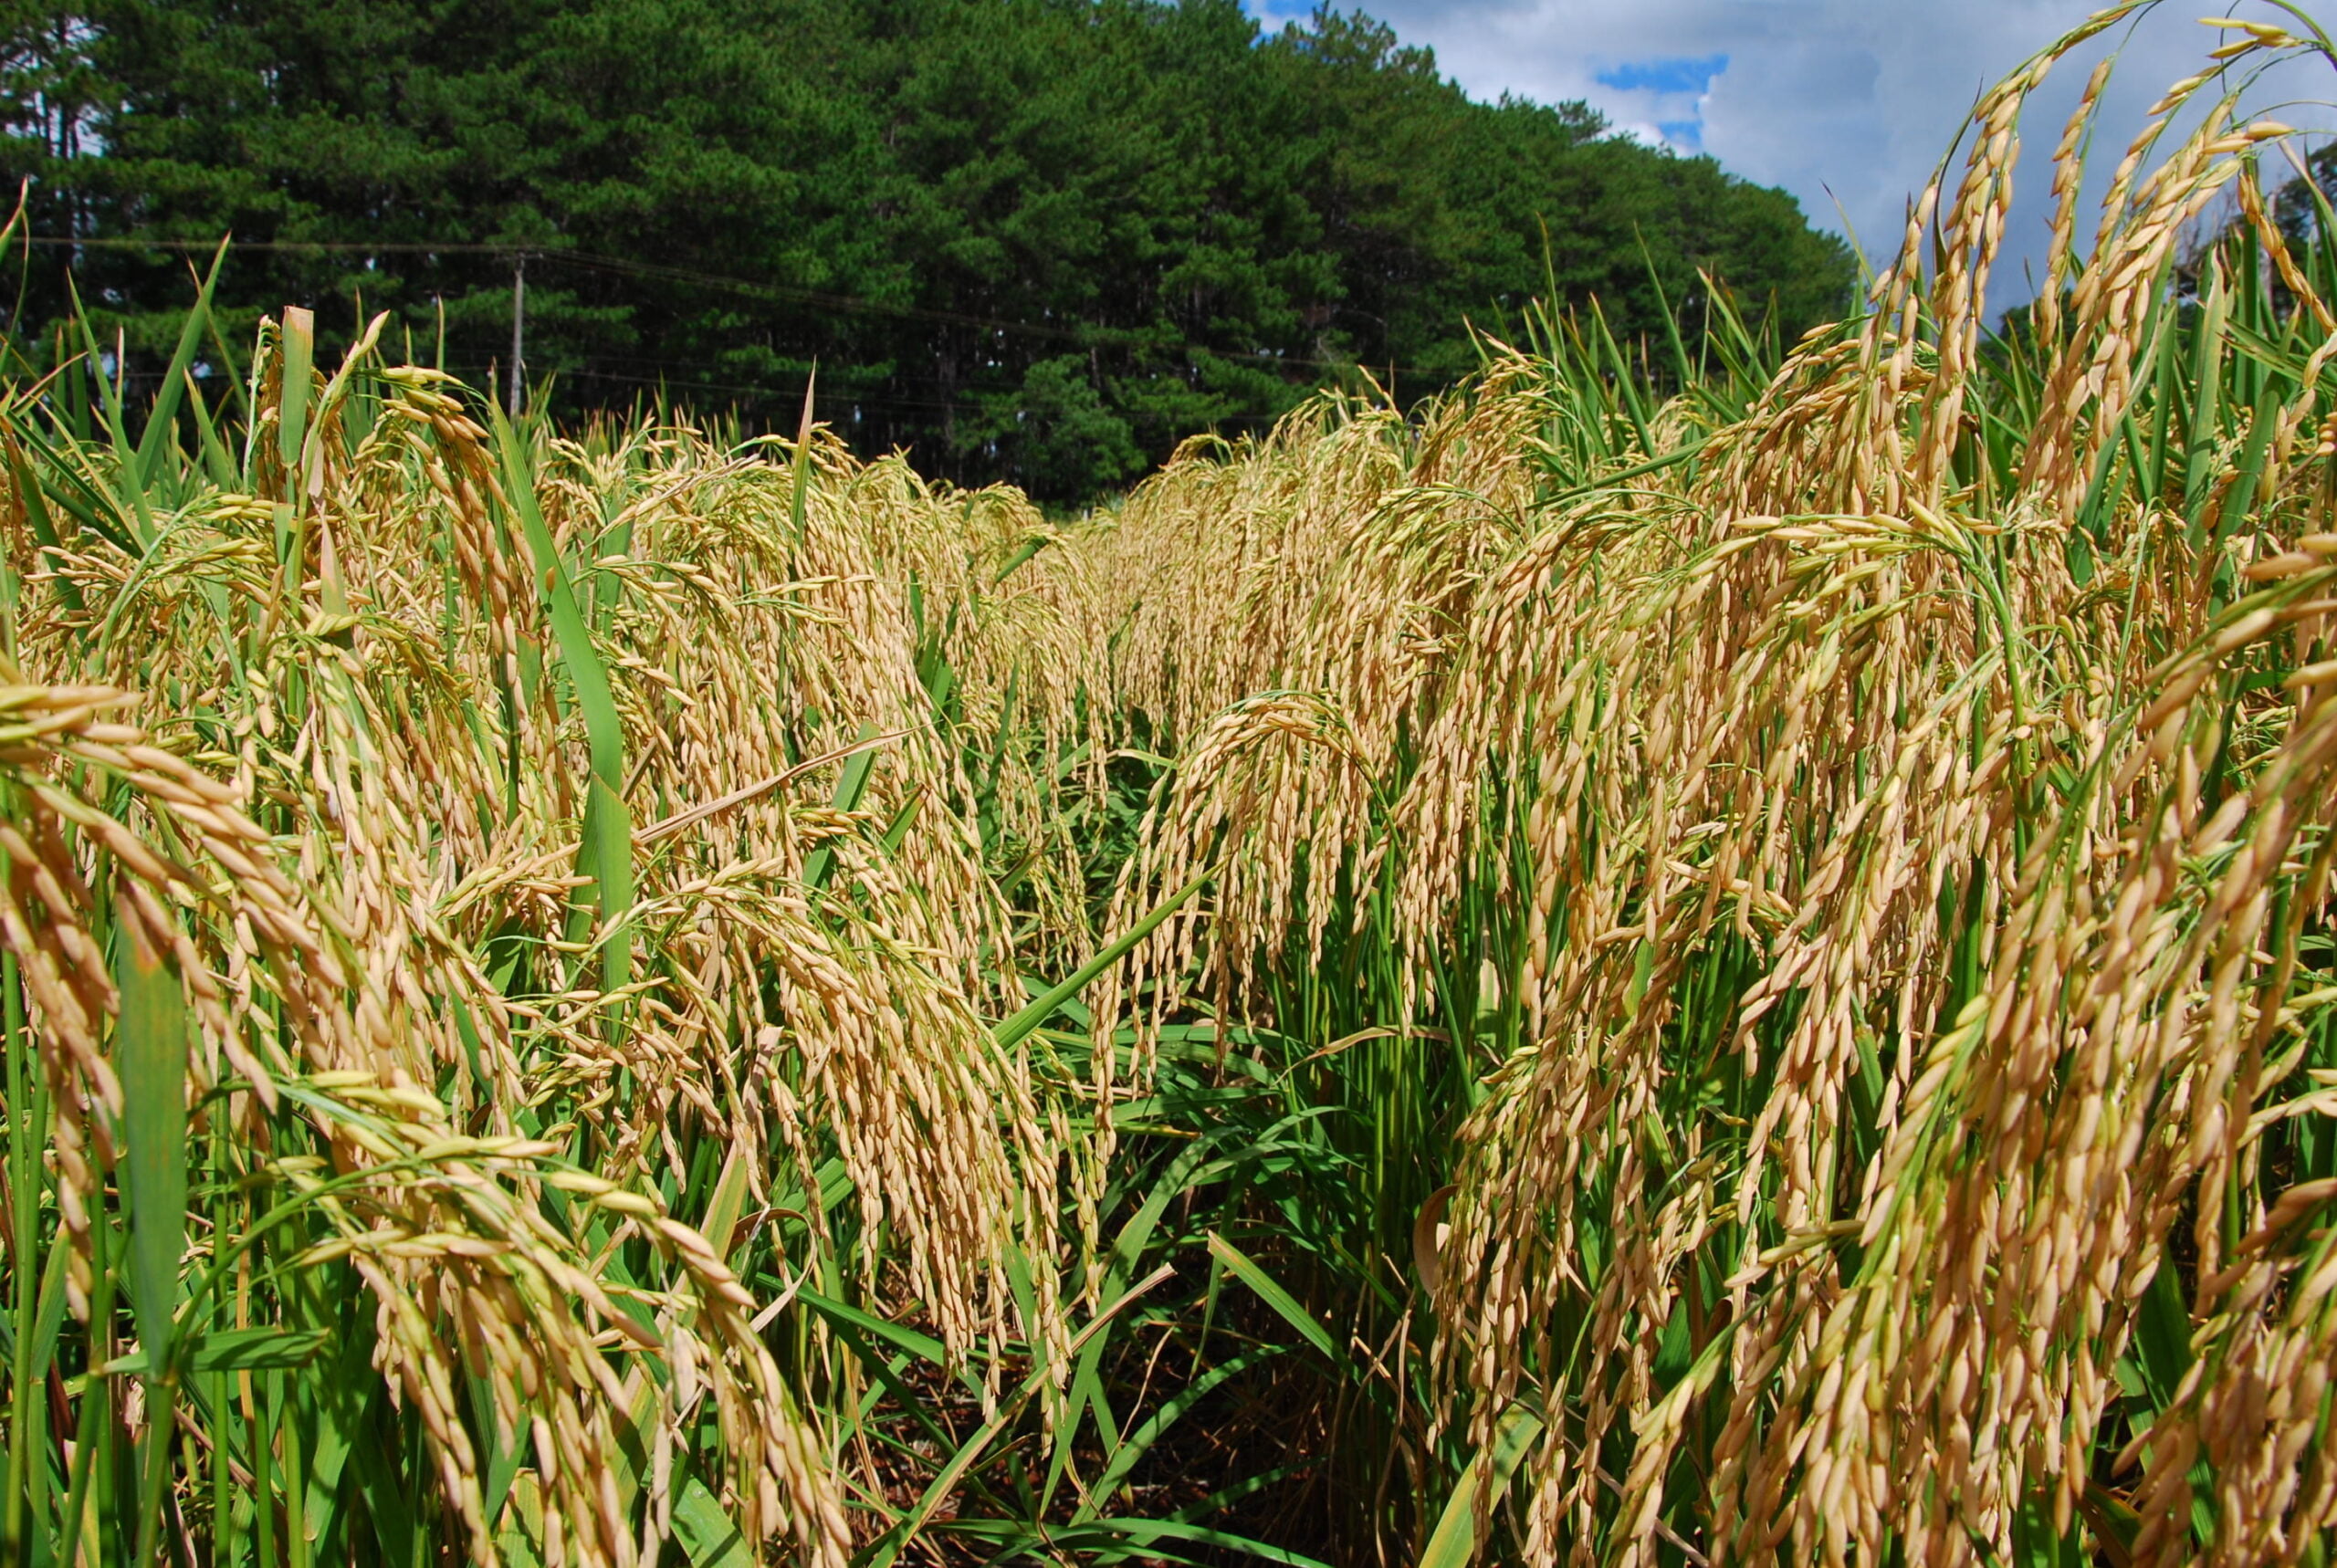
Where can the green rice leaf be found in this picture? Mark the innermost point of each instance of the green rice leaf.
(151, 1048)
(1453, 1544)
(1284, 1304)
(606, 855)
(706, 1533)
(159, 421)
(1014, 1031)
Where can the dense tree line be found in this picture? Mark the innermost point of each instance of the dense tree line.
(1038, 239)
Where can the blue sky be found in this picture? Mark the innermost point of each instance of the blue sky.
(1847, 104)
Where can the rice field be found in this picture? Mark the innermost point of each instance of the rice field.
(1684, 956)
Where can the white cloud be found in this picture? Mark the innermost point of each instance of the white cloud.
(1847, 104)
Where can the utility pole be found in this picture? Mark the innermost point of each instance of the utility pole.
(518, 322)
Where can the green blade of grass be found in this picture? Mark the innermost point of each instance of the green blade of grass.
(158, 430)
(606, 855)
(152, 1045)
(708, 1536)
(1453, 1544)
(298, 363)
(1286, 1305)
(799, 500)
(888, 1546)
(1142, 1438)
(1014, 1031)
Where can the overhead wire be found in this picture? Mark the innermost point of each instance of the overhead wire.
(1085, 334)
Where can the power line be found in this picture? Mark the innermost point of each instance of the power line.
(474, 372)
(399, 248)
(1085, 334)
(787, 387)
(872, 400)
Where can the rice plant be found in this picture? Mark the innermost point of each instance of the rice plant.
(1675, 959)
(1873, 831)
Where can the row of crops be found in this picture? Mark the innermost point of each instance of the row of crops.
(1679, 958)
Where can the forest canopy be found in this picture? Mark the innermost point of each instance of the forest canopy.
(1037, 240)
